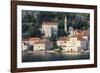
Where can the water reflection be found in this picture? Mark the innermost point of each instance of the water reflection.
(32, 57)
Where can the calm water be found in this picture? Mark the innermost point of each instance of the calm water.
(30, 57)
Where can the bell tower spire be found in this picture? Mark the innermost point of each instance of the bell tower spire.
(65, 24)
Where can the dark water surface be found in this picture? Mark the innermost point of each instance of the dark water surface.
(30, 57)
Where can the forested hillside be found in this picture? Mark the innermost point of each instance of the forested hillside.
(32, 21)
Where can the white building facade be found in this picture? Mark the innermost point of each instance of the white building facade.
(70, 44)
(39, 46)
(49, 28)
(42, 46)
(24, 44)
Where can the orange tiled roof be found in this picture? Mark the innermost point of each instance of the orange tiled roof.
(43, 42)
(40, 42)
(50, 23)
(63, 38)
(79, 36)
(34, 38)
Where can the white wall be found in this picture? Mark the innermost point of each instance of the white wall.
(5, 36)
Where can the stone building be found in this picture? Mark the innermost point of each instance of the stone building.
(40, 44)
(49, 28)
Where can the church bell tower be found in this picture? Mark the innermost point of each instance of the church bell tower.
(65, 24)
